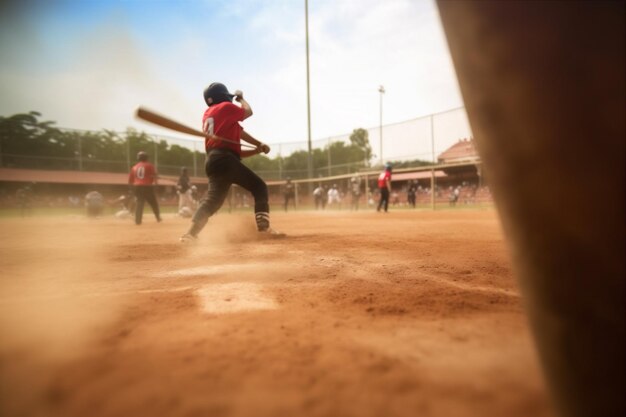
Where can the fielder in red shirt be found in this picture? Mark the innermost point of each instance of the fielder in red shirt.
(384, 185)
(143, 178)
(223, 162)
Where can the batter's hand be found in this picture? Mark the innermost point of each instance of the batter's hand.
(238, 95)
(264, 148)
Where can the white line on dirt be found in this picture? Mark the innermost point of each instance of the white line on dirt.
(210, 270)
(234, 297)
(437, 279)
(32, 298)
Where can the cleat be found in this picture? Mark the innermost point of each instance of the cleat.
(271, 233)
(188, 238)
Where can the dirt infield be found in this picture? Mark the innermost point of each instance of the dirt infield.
(353, 314)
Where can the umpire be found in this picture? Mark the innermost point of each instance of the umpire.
(143, 178)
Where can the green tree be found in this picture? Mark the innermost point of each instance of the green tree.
(27, 142)
(344, 158)
(360, 138)
(410, 164)
(295, 165)
(264, 166)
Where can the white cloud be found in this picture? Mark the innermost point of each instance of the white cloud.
(354, 47)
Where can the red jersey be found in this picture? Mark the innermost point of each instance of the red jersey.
(223, 120)
(383, 178)
(143, 173)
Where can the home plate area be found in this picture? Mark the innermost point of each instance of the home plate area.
(354, 314)
(234, 297)
(231, 297)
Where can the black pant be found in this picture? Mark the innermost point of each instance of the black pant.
(354, 204)
(319, 202)
(145, 193)
(290, 196)
(223, 169)
(384, 199)
(412, 200)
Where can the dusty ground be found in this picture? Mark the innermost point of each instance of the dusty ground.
(403, 314)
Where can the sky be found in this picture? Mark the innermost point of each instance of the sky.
(89, 64)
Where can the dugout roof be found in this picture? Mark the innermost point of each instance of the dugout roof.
(420, 175)
(462, 151)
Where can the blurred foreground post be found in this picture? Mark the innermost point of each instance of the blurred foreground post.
(543, 84)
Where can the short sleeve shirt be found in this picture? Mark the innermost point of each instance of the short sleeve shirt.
(383, 178)
(143, 173)
(223, 120)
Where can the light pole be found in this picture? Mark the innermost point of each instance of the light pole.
(308, 95)
(381, 90)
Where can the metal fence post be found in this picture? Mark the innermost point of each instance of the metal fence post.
(368, 192)
(128, 152)
(432, 170)
(156, 155)
(329, 159)
(80, 152)
(280, 161)
(195, 164)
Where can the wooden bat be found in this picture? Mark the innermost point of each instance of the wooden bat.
(159, 120)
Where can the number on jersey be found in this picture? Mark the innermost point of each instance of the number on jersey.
(209, 126)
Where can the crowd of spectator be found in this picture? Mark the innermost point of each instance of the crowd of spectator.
(410, 194)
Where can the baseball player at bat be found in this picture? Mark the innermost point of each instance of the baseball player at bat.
(223, 162)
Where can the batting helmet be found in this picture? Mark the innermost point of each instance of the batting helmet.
(216, 93)
(388, 166)
(142, 156)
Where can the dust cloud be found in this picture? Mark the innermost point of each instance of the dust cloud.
(47, 291)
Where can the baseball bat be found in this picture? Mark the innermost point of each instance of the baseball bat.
(159, 120)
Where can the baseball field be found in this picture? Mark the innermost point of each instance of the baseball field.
(410, 313)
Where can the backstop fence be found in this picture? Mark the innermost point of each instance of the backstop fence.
(413, 146)
(422, 138)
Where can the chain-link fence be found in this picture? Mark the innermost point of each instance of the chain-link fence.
(414, 146)
(420, 139)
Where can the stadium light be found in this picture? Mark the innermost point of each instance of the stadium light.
(308, 93)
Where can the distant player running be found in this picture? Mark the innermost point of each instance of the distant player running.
(223, 163)
(384, 186)
(143, 178)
